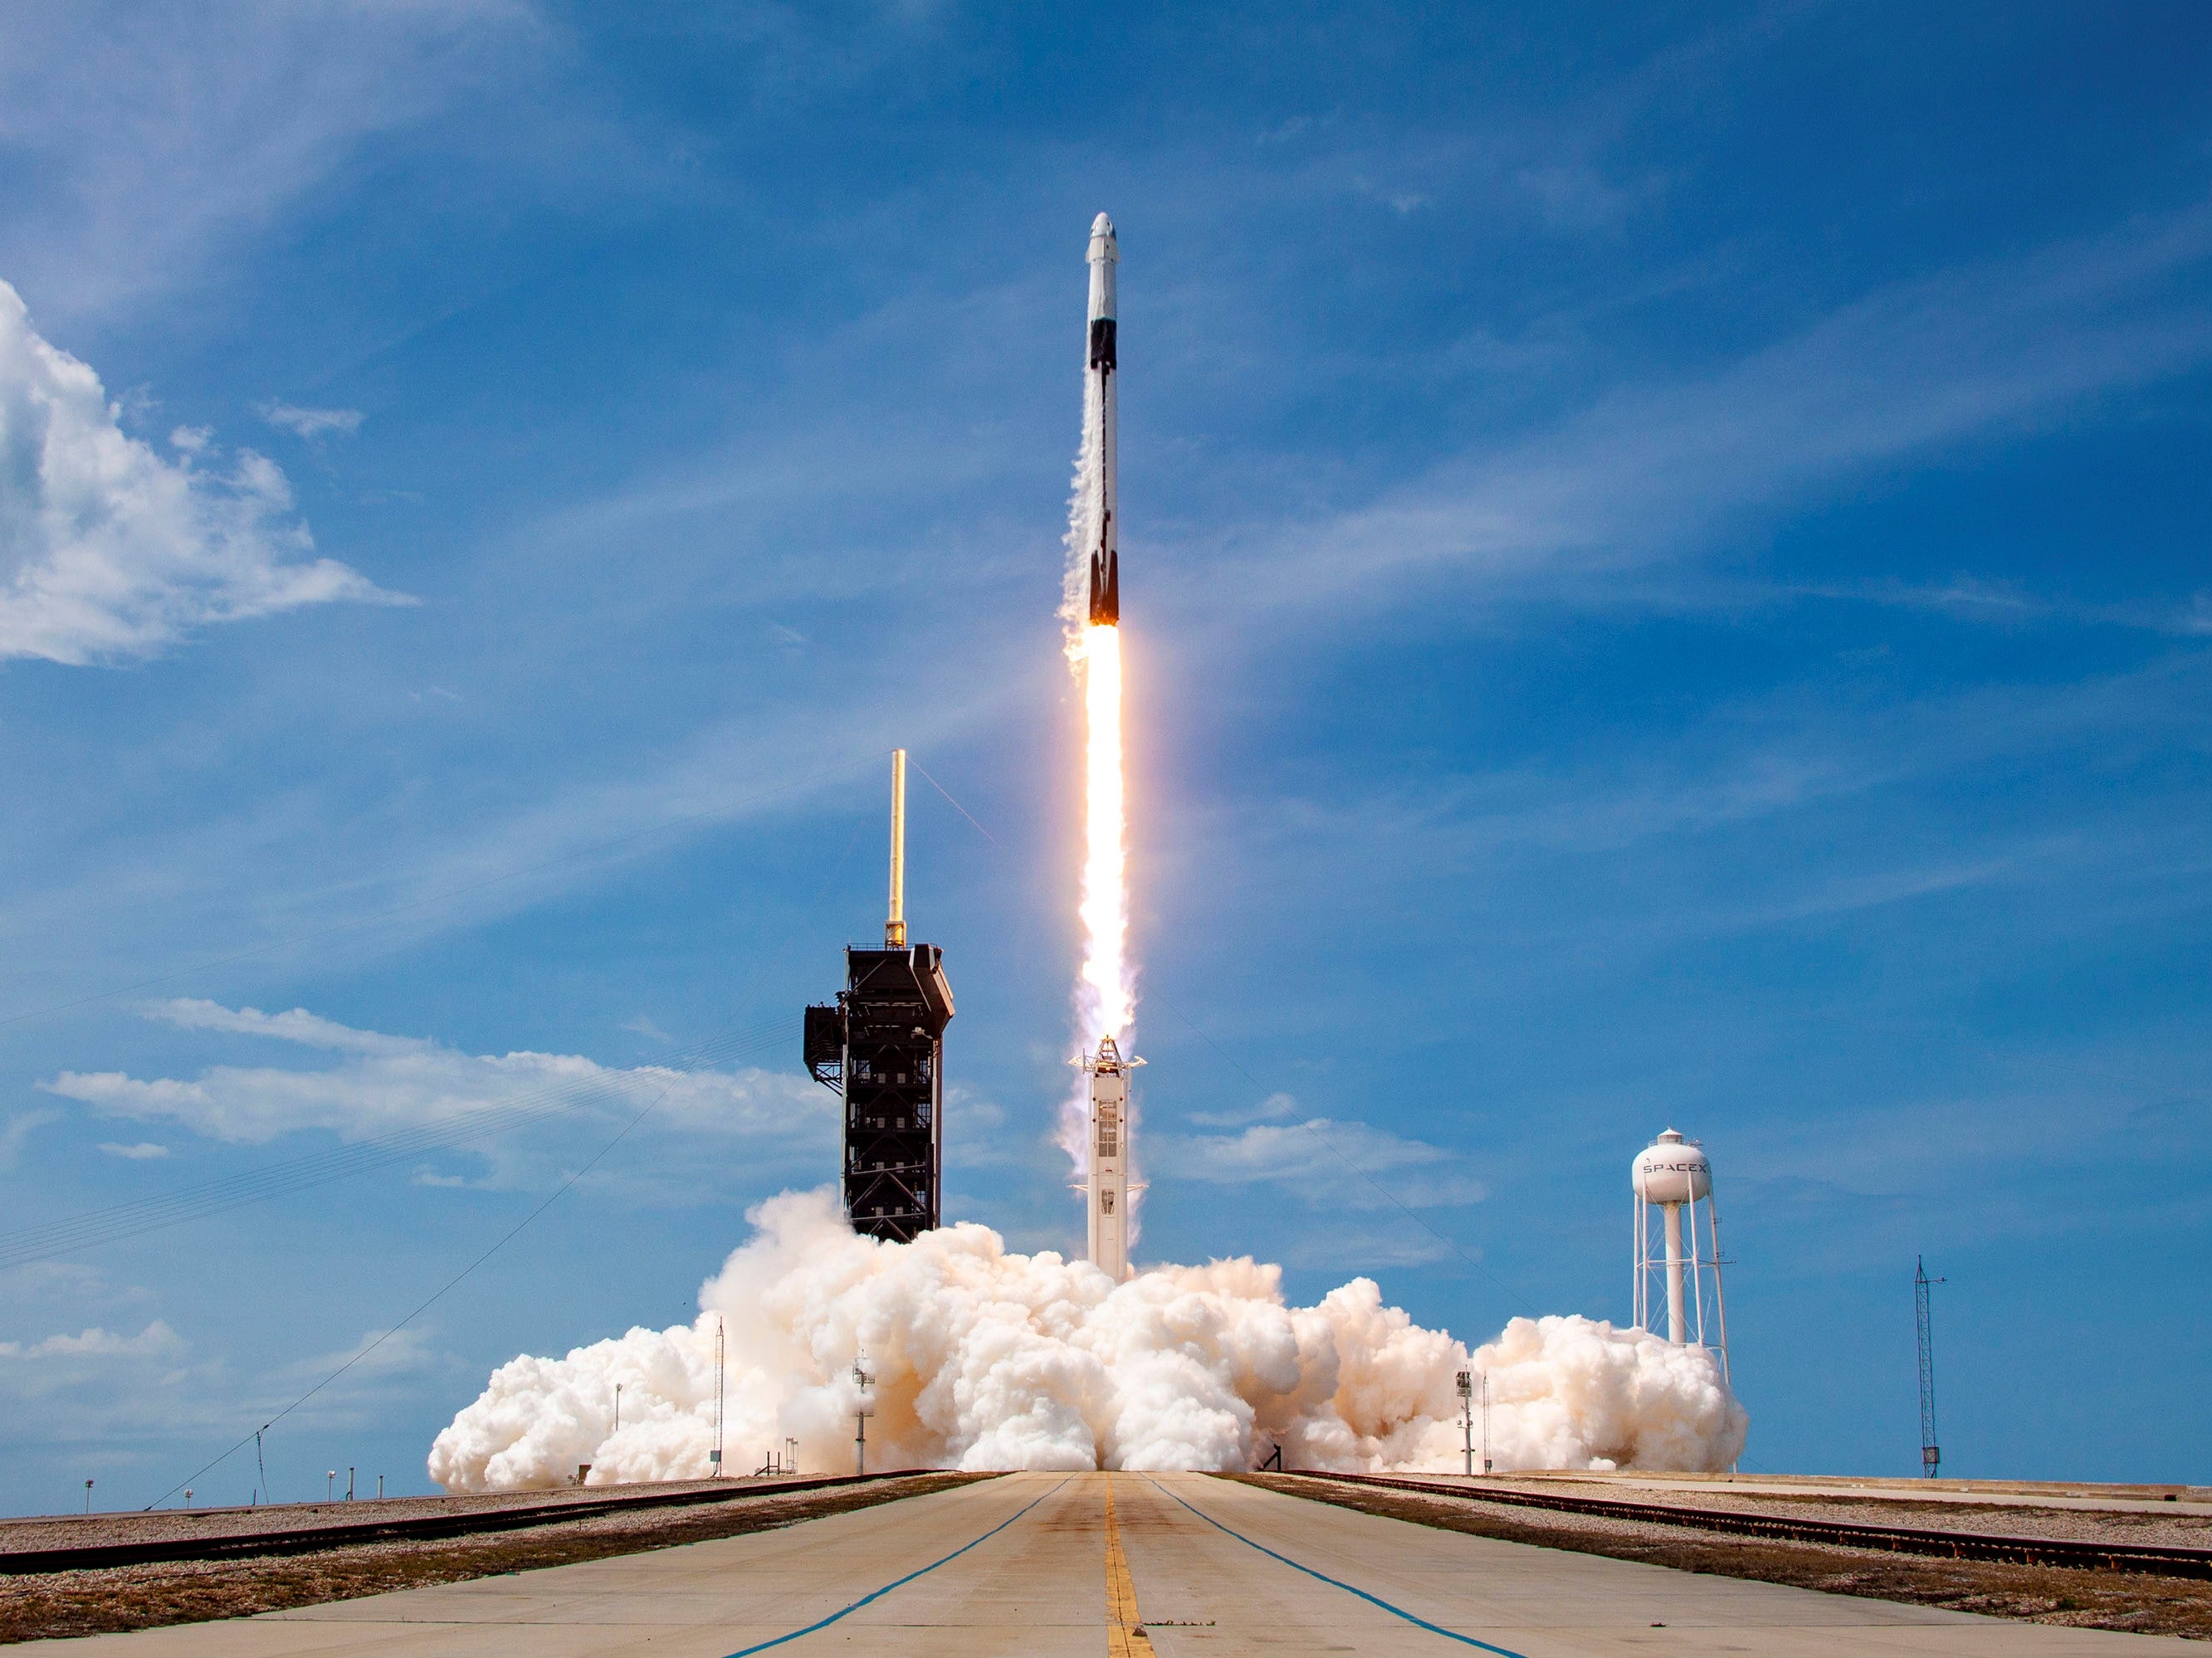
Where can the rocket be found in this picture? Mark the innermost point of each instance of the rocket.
(1105, 560)
(1109, 1190)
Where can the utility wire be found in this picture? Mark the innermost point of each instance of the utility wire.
(956, 805)
(97, 1227)
(254, 1438)
(438, 898)
(513, 1233)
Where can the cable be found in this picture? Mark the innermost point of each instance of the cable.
(744, 1000)
(956, 805)
(440, 897)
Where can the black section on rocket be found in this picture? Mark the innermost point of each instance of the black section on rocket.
(1105, 588)
(1101, 343)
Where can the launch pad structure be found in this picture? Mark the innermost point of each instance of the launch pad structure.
(881, 1049)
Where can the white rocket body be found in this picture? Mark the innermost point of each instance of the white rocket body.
(1104, 528)
(1107, 1195)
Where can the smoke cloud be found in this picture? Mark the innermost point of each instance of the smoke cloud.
(985, 1359)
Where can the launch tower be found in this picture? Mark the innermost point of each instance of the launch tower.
(881, 1049)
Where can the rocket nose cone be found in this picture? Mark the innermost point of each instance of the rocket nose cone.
(1102, 226)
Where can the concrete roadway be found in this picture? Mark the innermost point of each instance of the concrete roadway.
(1028, 1564)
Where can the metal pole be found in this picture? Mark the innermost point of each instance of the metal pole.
(895, 925)
(1485, 1421)
(618, 1387)
(1671, 1213)
(1467, 1420)
(349, 1484)
(722, 1374)
(88, 1497)
(1931, 1455)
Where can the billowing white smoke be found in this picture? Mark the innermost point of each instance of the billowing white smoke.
(987, 1360)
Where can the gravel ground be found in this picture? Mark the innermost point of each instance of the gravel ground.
(71, 1531)
(72, 1603)
(2130, 1602)
(2003, 1519)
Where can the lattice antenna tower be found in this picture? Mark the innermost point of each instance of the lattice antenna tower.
(1931, 1455)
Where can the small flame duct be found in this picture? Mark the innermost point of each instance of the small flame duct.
(1109, 1190)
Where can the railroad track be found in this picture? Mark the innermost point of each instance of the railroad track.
(2163, 1560)
(303, 1540)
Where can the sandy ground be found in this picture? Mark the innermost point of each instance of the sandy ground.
(2168, 1526)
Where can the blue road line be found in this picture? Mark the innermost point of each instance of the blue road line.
(743, 1652)
(1374, 1599)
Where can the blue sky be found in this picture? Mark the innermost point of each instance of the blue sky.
(1666, 583)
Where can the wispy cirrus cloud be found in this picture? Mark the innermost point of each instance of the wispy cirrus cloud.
(384, 1085)
(1647, 470)
(311, 424)
(148, 140)
(156, 1341)
(1321, 1161)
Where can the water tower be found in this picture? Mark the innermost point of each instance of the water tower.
(1674, 1176)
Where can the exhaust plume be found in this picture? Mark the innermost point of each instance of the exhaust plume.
(985, 1359)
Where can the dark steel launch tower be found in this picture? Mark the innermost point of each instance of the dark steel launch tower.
(881, 1049)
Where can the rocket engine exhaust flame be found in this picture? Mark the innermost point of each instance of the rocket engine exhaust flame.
(1105, 1000)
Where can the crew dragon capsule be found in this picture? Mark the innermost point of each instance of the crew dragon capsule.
(1105, 555)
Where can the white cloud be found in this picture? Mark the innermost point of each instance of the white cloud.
(1318, 1159)
(108, 551)
(1276, 1106)
(16, 1130)
(156, 1341)
(375, 1354)
(146, 142)
(1646, 471)
(312, 423)
(143, 1151)
(384, 1085)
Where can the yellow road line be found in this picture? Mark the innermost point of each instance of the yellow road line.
(1125, 1633)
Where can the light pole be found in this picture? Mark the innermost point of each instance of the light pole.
(861, 1381)
(349, 1484)
(188, 1496)
(88, 1497)
(330, 1484)
(1467, 1419)
(721, 1375)
(1485, 1421)
(618, 1387)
